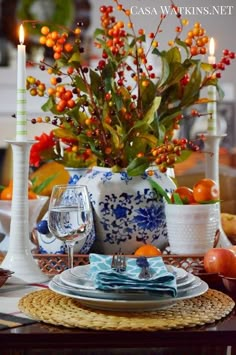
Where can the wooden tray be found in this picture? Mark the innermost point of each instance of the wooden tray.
(53, 264)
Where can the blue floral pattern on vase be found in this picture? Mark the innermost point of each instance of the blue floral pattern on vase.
(127, 211)
(49, 244)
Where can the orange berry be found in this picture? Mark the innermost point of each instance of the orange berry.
(42, 40)
(68, 47)
(45, 30)
(51, 91)
(50, 43)
(154, 44)
(70, 70)
(147, 250)
(77, 31)
(57, 55)
(53, 80)
(108, 150)
(205, 190)
(71, 103)
(54, 35)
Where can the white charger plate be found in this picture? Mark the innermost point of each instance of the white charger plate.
(112, 303)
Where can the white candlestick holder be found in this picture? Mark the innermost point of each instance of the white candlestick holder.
(19, 258)
(212, 146)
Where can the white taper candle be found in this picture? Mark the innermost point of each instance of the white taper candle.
(21, 113)
(211, 106)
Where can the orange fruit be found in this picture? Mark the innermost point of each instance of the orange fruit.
(205, 190)
(185, 193)
(51, 169)
(147, 250)
(32, 195)
(6, 193)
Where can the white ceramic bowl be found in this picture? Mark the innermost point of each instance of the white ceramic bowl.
(35, 206)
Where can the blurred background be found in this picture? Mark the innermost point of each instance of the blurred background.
(217, 17)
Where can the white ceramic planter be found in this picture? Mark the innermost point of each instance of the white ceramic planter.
(191, 228)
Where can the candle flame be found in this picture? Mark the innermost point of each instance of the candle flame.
(21, 34)
(212, 47)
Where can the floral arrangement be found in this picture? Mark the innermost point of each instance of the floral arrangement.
(123, 113)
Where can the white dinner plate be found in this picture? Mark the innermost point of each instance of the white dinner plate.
(79, 277)
(85, 283)
(125, 294)
(151, 301)
(122, 294)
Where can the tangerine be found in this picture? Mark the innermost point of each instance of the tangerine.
(32, 195)
(147, 250)
(185, 194)
(205, 190)
(6, 193)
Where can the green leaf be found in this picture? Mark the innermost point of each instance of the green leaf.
(38, 189)
(165, 71)
(150, 114)
(166, 120)
(177, 71)
(96, 82)
(49, 105)
(80, 84)
(147, 93)
(185, 154)
(75, 58)
(206, 67)
(209, 202)
(64, 133)
(191, 91)
(138, 166)
(115, 137)
(98, 32)
(182, 44)
(220, 92)
(177, 199)
(159, 190)
(117, 101)
(173, 55)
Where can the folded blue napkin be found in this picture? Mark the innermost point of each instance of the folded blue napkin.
(107, 279)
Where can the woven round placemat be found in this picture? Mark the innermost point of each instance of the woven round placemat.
(52, 308)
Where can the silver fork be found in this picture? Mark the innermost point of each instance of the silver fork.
(143, 263)
(118, 262)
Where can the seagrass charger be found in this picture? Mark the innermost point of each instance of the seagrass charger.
(58, 309)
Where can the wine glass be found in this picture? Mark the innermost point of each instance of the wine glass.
(70, 215)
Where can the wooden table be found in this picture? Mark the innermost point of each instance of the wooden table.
(40, 338)
(212, 339)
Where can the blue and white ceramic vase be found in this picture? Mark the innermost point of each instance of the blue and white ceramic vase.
(127, 211)
(48, 243)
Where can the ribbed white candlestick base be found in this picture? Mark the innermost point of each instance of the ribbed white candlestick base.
(212, 172)
(19, 258)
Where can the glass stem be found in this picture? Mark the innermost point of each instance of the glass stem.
(70, 250)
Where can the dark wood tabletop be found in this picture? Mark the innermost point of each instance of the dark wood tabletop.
(218, 338)
(40, 335)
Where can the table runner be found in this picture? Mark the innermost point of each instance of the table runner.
(52, 308)
(12, 321)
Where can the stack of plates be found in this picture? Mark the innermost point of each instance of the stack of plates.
(77, 283)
